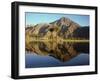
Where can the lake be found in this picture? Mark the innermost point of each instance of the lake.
(52, 54)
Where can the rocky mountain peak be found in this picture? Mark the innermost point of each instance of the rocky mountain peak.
(64, 19)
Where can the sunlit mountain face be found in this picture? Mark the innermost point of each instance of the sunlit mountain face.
(59, 43)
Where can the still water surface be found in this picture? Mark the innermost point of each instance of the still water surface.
(47, 54)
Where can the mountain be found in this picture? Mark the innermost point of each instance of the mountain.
(63, 28)
(64, 25)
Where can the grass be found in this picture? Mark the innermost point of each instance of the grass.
(69, 40)
(63, 40)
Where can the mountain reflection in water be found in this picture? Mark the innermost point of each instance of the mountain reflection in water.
(52, 54)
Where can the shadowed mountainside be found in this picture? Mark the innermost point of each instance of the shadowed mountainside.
(81, 32)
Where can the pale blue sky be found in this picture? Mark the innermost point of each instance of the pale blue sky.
(36, 18)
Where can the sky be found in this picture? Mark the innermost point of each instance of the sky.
(33, 18)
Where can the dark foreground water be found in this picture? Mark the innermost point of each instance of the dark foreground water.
(59, 55)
